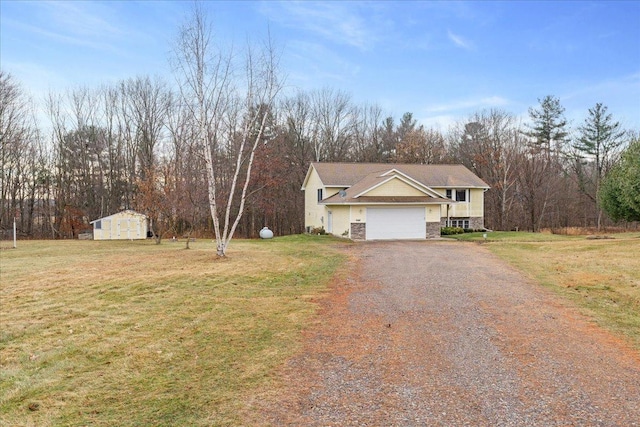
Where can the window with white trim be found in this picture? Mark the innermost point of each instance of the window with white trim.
(462, 223)
(459, 195)
(319, 194)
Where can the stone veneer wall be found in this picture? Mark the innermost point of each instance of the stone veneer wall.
(358, 231)
(475, 222)
(433, 230)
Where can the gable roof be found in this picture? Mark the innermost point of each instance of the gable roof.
(439, 176)
(357, 193)
(126, 211)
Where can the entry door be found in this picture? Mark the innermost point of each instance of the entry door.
(329, 222)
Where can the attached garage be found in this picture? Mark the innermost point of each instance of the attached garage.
(376, 201)
(396, 223)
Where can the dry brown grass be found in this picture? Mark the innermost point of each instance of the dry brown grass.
(585, 231)
(131, 333)
(601, 276)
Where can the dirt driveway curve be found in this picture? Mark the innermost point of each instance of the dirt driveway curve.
(444, 333)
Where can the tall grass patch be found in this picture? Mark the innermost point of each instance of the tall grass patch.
(133, 333)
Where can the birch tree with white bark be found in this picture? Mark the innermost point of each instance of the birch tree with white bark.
(218, 86)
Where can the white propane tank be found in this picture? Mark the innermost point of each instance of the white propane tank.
(265, 233)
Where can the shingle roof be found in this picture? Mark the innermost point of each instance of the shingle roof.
(126, 211)
(336, 199)
(441, 176)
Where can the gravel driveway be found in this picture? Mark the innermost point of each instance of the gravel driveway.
(444, 333)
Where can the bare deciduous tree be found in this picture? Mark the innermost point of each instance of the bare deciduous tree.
(18, 140)
(367, 134)
(230, 104)
(146, 106)
(299, 130)
(334, 118)
(489, 143)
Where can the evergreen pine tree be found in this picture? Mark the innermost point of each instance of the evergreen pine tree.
(548, 129)
(620, 190)
(598, 142)
(600, 137)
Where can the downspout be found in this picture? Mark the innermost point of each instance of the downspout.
(448, 217)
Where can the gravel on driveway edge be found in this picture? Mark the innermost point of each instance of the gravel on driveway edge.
(445, 333)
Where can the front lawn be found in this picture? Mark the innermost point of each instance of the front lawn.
(133, 333)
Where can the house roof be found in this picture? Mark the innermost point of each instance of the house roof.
(439, 176)
(357, 193)
(336, 199)
(126, 211)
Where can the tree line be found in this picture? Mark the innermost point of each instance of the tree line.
(183, 155)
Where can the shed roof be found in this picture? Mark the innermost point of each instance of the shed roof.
(126, 211)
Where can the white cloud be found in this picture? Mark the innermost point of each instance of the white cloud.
(629, 82)
(311, 63)
(441, 122)
(621, 95)
(335, 21)
(61, 37)
(82, 19)
(466, 104)
(87, 24)
(459, 40)
(41, 78)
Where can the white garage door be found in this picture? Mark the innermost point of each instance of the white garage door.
(396, 223)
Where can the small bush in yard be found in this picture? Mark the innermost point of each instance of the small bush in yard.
(474, 230)
(448, 231)
(318, 230)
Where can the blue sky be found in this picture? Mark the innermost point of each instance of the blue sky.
(439, 60)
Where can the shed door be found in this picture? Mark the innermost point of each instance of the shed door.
(106, 229)
(124, 228)
(396, 223)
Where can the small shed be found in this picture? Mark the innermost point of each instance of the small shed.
(125, 225)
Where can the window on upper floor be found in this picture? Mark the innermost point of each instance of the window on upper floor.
(319, 194)
(458, 195)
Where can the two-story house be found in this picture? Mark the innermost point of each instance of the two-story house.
(375, 201)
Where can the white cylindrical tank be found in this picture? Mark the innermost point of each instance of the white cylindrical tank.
(265, 233)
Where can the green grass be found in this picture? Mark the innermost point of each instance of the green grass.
(602, 277)
(524, 236)
(511, 236)
(133, 333)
